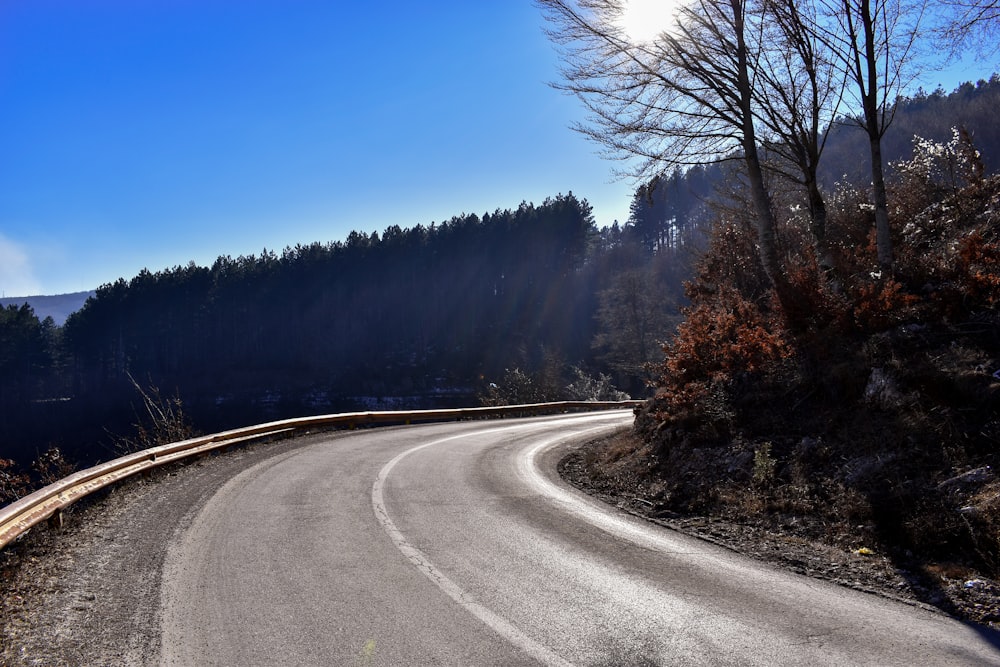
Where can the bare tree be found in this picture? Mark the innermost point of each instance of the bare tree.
(875, 43)
(797, 96)
(685, 98)
(971, 23)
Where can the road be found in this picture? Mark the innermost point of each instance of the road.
(457, 544)
(440, 544)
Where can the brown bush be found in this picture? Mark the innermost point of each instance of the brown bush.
(13, 484)
(723, 340)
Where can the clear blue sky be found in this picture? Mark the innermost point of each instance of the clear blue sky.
(150, 133)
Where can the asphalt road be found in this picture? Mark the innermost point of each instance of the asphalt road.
(457, 544)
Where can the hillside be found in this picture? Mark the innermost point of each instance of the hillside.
(58, 307)
(679, 205)
(857, 438)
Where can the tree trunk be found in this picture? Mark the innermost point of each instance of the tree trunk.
(883, 240)
(874, 127)
(817, 226)
(766, 237)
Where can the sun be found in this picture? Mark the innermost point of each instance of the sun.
(644, 20)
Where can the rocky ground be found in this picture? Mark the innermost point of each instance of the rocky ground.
(626, 482)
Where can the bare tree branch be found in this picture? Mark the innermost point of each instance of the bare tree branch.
(972, 25)
(686, 97)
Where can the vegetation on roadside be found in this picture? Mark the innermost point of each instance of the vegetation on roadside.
(836, 369)
(868, 418)
(161, 422)
(424, 317)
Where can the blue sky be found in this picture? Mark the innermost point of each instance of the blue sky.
(150, 133)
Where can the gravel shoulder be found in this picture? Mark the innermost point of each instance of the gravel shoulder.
(89, 593)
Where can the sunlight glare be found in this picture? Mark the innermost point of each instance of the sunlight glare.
(644, 20)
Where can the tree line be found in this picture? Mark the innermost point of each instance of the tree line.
(417, 317)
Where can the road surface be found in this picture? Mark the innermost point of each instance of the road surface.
(457, 544)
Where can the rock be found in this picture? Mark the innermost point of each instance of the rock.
(882, 390)
(967, 482)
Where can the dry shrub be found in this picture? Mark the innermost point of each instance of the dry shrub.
(826, 310)
(14, 484)
(51, 466)
(165, 423)
(850, 231)
(721, 339)
(731, 260)
(934, 171)
(979, 268)
(879, 303)
(948, 214)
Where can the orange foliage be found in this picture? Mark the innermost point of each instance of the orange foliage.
(721, 338)
(737, 340)
(979, 267)
(880, 303)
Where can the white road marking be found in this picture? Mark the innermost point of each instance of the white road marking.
(596, 515)
(500, 625)
(615, 522)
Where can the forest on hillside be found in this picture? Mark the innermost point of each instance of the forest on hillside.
(522, 304)
(419, 317)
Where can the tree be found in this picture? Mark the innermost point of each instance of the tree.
(636, 314)
(664, 212)
(874, 43)
(24, 354)
(685, 98)
(797, 96)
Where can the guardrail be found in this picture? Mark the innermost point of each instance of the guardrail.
(48, 503)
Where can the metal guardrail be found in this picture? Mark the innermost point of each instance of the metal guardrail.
(48, 503)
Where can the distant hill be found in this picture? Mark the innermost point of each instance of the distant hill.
(927, 115)
(675, 204)
(58, 307)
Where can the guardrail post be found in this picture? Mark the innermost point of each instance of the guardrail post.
(56, 520)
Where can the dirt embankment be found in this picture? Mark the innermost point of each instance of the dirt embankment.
(622, 471)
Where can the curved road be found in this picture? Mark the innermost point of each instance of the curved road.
(441, 544)
(456, 544)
